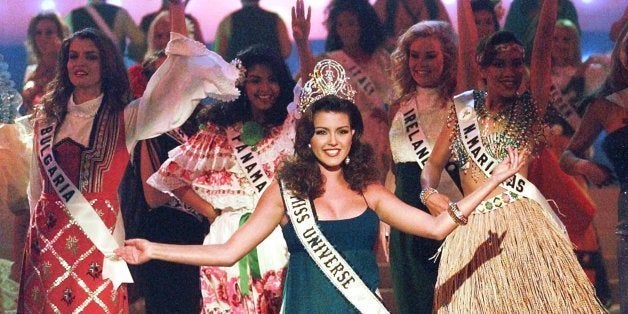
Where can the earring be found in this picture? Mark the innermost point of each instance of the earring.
(347, 160)
(309, 145)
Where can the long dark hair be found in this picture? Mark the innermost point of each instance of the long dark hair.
(114, 80)
(228, 113)
(301, 172)
(371, 29)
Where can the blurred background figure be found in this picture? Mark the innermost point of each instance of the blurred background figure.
(15, 150)
(114, 21)
(249, 26)
(355, 39)
(523, 15)
(397, 16)
(608, 112)
(194, 27)
(43, 42)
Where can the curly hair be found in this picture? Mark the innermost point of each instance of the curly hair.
(226, 114)
(403, 82)
(114, 80)
(371, 29)
(301, 173)
(62, 31)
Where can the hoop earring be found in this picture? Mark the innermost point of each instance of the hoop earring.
(347, 160)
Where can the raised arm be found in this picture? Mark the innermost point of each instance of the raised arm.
(410, 220)
(430, 176)
(265, 218)
(177, 16)
(468, 74)
(540, 64)
(301, 32)
(573, 160)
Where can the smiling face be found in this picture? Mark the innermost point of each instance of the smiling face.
(332, 138)
(426, 61)
(505, 73)
(83, 64)
(261, 87)
(46, 37)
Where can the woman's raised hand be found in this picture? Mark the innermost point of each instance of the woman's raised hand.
(300, 22)
(134, 251)
(510, 165)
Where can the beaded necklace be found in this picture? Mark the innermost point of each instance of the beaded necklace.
(515, 124)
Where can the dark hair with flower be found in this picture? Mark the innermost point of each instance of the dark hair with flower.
(225, 114)
(301, 173)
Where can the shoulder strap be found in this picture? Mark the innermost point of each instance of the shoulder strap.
(325, 256)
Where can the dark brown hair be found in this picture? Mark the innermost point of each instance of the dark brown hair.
(114, 80)
(301, 173)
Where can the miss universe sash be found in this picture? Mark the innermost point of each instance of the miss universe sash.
(82, 212)
(472, 142)
(330, 262)
(360, 77)
(249, 161)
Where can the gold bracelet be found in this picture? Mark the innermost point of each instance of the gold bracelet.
(426, 193)
(456, 214)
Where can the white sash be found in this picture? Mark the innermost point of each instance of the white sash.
(416, 137)
(472, 142)
(249, 161)
(330, 262)
(360, 77)
(83, 213)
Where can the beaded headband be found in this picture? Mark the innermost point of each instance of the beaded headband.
(327, 78)
(503, 48)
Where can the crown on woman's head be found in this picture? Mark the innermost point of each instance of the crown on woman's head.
(327, 78)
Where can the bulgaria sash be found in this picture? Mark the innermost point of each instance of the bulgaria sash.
(330, 262)
(82, 212)
(472, 142)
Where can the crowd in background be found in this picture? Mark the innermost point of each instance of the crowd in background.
(155, 152)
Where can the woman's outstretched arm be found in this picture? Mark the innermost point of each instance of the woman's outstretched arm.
(410, 220)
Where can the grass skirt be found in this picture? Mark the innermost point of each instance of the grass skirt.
(512, 260)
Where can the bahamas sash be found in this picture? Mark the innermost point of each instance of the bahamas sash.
(416, 137)
(249, 161)
(360, 77)
(330, 262)
(82, 212)
(472, 142)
